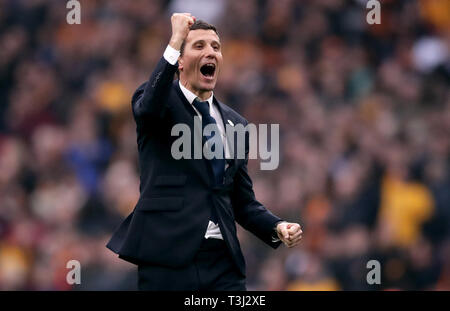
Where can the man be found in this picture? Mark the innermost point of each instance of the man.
(182, 232)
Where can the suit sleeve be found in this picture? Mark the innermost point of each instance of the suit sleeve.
(150, 99)
(250, 213)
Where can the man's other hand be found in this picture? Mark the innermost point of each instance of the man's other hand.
(181, 22)
(289, 233)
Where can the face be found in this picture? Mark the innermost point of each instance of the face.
(200, 63)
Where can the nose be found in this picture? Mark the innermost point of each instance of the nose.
(210, 52)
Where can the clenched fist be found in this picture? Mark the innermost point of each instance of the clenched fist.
(181, 22)
(289, 233)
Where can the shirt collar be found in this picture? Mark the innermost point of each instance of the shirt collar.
(191, 96)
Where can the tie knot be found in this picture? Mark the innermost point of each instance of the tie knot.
(203, 107)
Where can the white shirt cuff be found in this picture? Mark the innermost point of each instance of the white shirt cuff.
(171, 55)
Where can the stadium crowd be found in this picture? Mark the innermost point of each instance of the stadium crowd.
(364, 115)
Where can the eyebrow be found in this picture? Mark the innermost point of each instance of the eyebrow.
(203, 42)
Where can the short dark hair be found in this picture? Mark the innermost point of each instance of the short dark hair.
(199, 24)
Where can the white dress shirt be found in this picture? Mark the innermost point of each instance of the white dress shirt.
(171, 55)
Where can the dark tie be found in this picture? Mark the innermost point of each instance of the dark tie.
(218, 165)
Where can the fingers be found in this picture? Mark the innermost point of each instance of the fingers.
(294, 234)
(292, 228)
(292, 243)
(282, 230)
(192, 17)
(183, 17)
(186, 14)
(181, 24)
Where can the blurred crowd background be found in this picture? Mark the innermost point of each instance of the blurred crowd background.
(364, 114)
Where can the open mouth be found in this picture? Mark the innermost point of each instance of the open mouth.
(208, 70)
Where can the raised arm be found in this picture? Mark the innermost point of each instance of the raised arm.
(150, 98)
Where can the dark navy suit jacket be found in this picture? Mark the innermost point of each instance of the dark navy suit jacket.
(177, 197)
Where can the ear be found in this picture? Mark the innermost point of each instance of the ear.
(180, 63)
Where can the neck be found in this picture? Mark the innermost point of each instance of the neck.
(202, 94)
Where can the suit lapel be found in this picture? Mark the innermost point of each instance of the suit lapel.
(209, 176)
(228, 119)
(183, 99)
